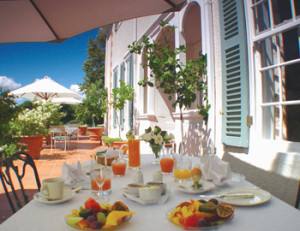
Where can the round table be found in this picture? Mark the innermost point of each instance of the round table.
(36, 216)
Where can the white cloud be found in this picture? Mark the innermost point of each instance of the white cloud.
(76, 88)
(8, 83)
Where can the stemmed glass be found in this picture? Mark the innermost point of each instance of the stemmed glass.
(97, 181)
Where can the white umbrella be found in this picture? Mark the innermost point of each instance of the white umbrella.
(44, 89)
(65, 100)
(48, 20)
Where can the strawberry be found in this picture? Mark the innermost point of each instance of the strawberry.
(93, 205)
(191, 221)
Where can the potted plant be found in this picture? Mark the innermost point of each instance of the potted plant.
(32, 125)
(180, 81)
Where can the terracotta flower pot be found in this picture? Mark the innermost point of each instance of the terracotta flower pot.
(48, 139)
(82, 130)
(95, 133)
(34, 145)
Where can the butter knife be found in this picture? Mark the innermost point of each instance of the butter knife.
(230, 195)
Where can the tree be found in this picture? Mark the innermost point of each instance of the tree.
(94, 105)
(120, 96)
(175, 78)
(8, 111)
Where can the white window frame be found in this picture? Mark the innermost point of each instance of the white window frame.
(255, 77)
(117, 69)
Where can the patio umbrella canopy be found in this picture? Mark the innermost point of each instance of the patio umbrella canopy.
(49, 20)
(44, 89)
(65, 100)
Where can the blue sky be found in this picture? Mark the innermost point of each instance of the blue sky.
(63, 62)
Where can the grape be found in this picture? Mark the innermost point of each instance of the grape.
(91, 218)
(95, 225)
(203, 223)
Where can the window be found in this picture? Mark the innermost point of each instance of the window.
(129, 65)
(122, 78)
(145, 77)
(115, 85)
(192, 37)
(277, 44)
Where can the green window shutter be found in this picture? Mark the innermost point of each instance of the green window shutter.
(235, 131)
(115, 85)
(130, 82)
(122, 78)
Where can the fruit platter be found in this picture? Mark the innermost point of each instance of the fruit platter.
(200, 214)
(94, 216)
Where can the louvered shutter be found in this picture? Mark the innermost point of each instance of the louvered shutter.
(234, 73)
(122, 78)
(130, 82)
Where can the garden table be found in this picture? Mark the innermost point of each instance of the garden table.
(275, 215)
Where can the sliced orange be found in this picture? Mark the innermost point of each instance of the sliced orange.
(225, 211)
(196, 172)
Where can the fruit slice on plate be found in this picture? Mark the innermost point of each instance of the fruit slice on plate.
(224, 211)
(195, 214)
(94, 216)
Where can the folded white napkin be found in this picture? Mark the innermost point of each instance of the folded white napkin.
(215, 169)
(74, 176)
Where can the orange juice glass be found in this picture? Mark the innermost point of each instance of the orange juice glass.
(119, 168)
(182, 174)
(166, 164)
(106, 185)
(134, 157)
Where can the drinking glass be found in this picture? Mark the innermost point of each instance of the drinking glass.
(118, 166)
(101, 183)
(167, 163)
(134, 157)
(182, 171)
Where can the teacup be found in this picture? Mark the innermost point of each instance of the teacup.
(133, 189)
(150, 193)
(53, 188)
(162, 186)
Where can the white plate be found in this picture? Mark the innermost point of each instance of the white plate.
(68, 195)
(134, 198)
(206, 186)
(260, 197)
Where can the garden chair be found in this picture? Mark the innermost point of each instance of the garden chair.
(58, 134)
(12, 176)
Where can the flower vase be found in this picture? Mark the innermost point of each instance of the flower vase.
(156, 149)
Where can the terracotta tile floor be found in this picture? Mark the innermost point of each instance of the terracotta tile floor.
(49, 165)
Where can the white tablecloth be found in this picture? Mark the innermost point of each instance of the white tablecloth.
(275, 215)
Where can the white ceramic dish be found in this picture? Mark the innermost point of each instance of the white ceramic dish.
(206, 186)
(260, 197)
(68, 195)
(163, 199)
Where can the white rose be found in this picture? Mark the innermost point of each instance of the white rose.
(146, 137)
(158, 140)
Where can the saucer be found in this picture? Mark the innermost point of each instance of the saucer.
(68, 195)
(163, 199)
(206, 186)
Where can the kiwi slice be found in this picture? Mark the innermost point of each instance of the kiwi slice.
(208, 207)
